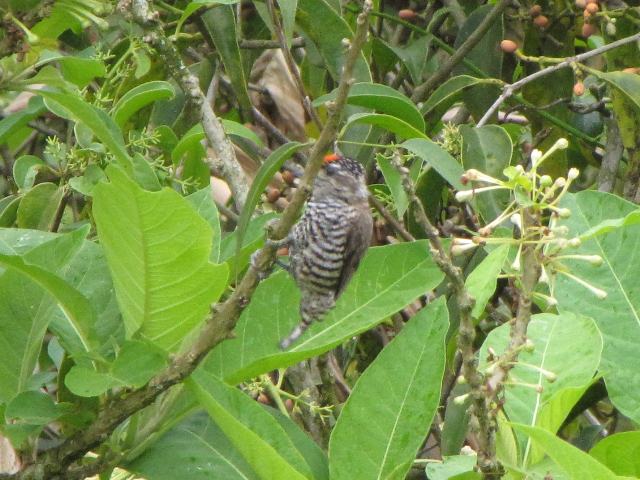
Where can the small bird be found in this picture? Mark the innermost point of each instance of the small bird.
(328, 242)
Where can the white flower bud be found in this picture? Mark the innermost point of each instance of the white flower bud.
(573, 173)
(562, 143)
(464, 195)
(536, 155)
(575, 242)
(564, 212)
(516, 219)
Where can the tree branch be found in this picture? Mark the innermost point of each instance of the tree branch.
(55, 462)
(224, 163)
(509, 89)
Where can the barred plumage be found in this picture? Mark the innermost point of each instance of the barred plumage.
(327, 244)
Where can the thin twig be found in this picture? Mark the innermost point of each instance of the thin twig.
(269, 44)
(53, 463)
(509, 89)
(390, 219)
(423, 91)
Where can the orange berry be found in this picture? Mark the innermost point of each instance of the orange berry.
(288, 403)
(578, 89)
(407, 14)
(592, 8)
(535, 10)
(541, 21)
(508, 46)
(262, 398)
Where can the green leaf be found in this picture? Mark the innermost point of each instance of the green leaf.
(627, 83)
(572, 460)
(414, 55)
(437, 158)
(257, 435)
(451, 467)
(481, 283)
(81, 71)
(144, 174)
(25, 170)
(196, 448)
(326, 28)
(388, 278)
(447, 94)
(190, 142)
(15, 121)
(620, 453)
(139, 97)
(381, 98)
(573, 367)
(158, 251)
(85, 183)
(489, 150)
(264, 175)
(137, 362)
(394, 181)
(34, 408)
(86, 382)
(220, 25)
(404, 380)
(609, 225)
(232, 128)
(203, 202)
(38, 206)
(392, 124)
(618, 315)
(9, 210)
(76, 109)
(288, 12)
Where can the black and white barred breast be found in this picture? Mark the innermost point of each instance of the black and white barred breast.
(327, 244)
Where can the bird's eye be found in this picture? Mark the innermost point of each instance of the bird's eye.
(331, 168)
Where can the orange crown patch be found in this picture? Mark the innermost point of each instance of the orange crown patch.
(331, 157)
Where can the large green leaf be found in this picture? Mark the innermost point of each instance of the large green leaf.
(138, 98)
(220, 25)
(551, 364)
(627, 83)
(75, 108)
(404, 380)
(203, 202)
(381, 98)
(620, 453)
(572, 460)
(446, 95)
(618, 315)
(27, 305)
(437, 158)
(326, 28)
(196, 449)
(158, 250)
(487, 149)
(255, 434)
(388, 279)
(14, 122)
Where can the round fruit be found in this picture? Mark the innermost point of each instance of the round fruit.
(288, 177)
(541, 21)
(407, 14)
(535, 10)
(273, 194)
(592, 8)
(578, 89)
(508, 46)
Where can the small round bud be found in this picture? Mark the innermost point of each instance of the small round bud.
(536, 155)
(564, 213)
(610, 28)
(573, 173)
(592, 8)
(461, 380)
(508, 46)
(535, 10)
(529, 346)
(262, 398)
(574, 242)
(541, 21)
(588, 29)
(539, 388)
(288, 403)
(407, 14)
(460, 399)
(346, 43)
(578, 89)
(562, 143)
(560, 182)
(546, 181)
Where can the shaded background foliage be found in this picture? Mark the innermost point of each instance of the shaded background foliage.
(120, 227)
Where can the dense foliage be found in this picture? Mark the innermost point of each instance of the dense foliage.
(148, 149)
